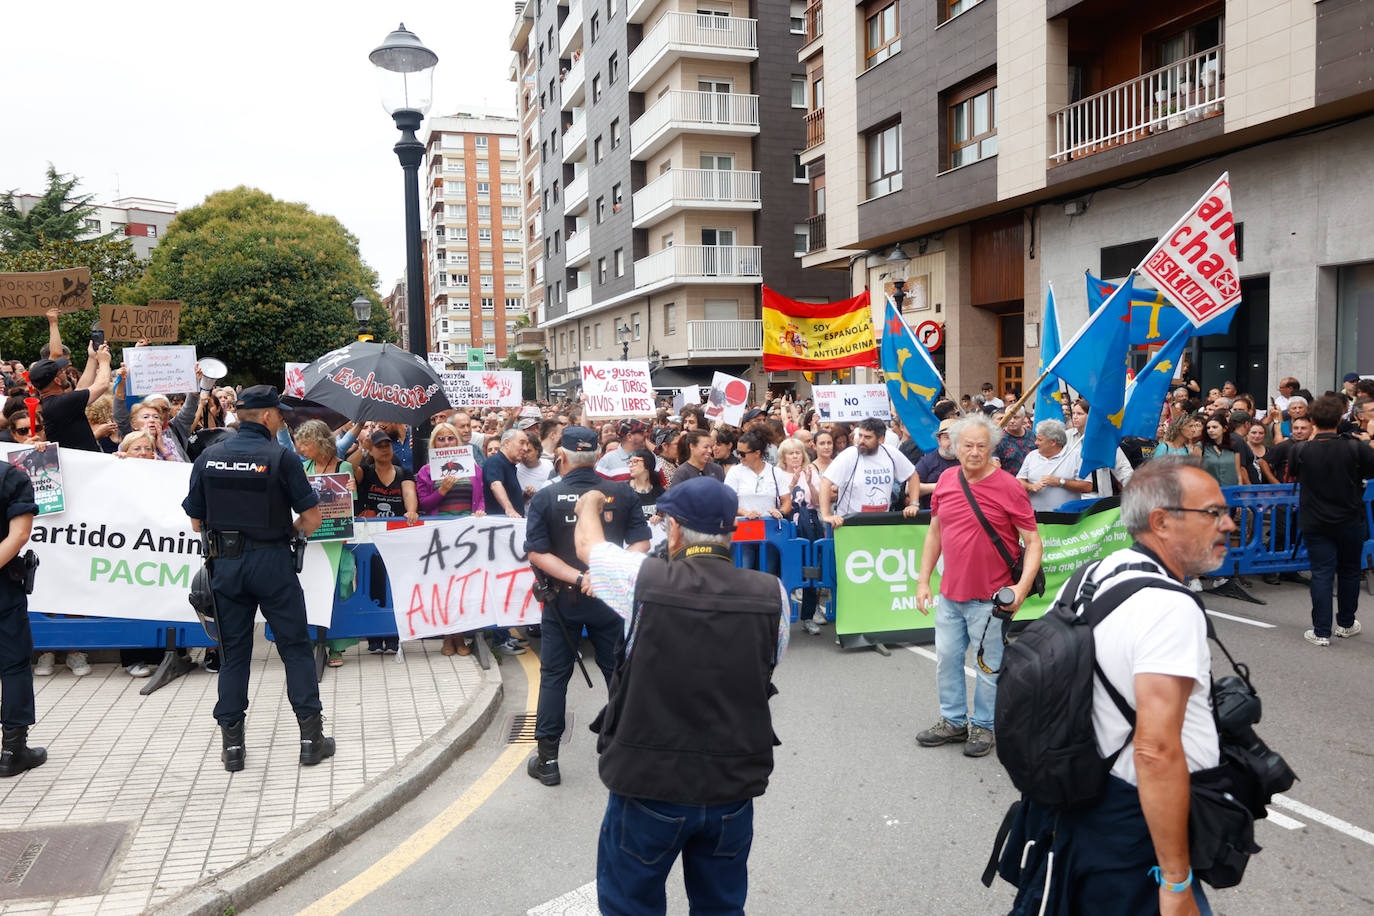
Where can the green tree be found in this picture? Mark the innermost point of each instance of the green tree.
(58, 216)
(263, 282)
(112, 264)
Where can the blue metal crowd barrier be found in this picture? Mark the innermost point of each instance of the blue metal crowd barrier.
(1266, 519)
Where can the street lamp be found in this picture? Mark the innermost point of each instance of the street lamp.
(622, 333)
(362, 310)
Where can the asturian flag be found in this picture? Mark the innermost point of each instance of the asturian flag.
(1049, 397)
(1145, 398)
(913, 382)
(1153, 318)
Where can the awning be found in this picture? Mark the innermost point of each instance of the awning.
(682, 376)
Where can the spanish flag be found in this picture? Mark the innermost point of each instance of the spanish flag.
(802, 335)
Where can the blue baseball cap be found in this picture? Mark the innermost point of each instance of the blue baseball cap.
(579, 439)
(259, 397)
(703, 504)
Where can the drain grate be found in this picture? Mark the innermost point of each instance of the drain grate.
(520, 729)
(59, 861)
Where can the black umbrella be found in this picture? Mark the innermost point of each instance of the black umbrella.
(372, 381)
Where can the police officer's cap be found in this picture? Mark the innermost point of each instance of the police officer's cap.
(702, 504)
(259, 397)
(579, 439)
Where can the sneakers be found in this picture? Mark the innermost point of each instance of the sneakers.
(1347, 632)
(335, 658)
(45, 663)
(77, 662)
(211, 660)
(980, 741)
(508, 646)
(811, 627)
(819, 617)
(942, 732)
(139, 670)
(1312, 637)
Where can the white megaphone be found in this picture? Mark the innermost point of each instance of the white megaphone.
(211, 371)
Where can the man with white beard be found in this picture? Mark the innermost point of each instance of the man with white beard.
(935, 463)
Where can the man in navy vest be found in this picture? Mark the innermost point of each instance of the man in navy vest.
(686, 738)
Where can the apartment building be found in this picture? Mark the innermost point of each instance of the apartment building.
(474, 248)
(142, 220)
(984, 149)
(669, 191)
(395, 304)
(530, 338)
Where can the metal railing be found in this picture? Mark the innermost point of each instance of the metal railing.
(1163, 99)
(738, 335)
(815, 233)
(815, 23)
(743, 262)
(815, 127)
(734, 109)
(698, 29)
(697, 186)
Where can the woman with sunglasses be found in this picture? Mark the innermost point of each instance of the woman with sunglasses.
(454, 496)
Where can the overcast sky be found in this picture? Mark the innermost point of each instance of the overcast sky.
(175, 100)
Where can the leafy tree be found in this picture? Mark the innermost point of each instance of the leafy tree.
(529, 374)
(58, 216)
(263, 281)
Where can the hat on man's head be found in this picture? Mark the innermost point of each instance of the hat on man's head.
(44, 371)
(527, 423)
(579, 439)
(631, 427)
(1348, 377)
(751, 414)
(260, 396)
(1241, 416)
(702, 504)
(945, 424)
(380, 436)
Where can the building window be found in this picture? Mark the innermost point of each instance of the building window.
(488, 304)
(884, 39)
(798, 92)
(601, 270)
(972, 122)
(596, 88)
(483, 168)
(586, 338)
(510, 214)
(600, 210)
(510, 235)
(508, 145)
(801, 239)
(615, 133)
(669, 318)
(885, 160)
(484, 189)
(620, 267)
(617, 199)
(799, 171)
(596, 150)
(479, 142)
(484, 235)
(513, 305)
(460, 279)
(597, 334)
(443, 279)
(484, 213)
(456, 211)
(458, 232)
(613, 69)
(955, 7)
(634, 326)
(596, 25)
(510, 189)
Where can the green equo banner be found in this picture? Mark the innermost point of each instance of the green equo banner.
(876, 565)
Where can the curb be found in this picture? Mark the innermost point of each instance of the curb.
(305, 847)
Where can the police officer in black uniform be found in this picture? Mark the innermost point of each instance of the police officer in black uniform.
(550, 521)
(17, 509)
(242, 492)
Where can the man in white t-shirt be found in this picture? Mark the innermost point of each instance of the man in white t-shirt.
(1048, 473)
(860, 478)
(763, 489)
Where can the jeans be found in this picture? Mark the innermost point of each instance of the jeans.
(640, 840)
(1335, 558)
(957, 625)
(558, 653)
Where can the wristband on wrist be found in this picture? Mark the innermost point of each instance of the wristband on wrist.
(581, 576)
(1158, 875)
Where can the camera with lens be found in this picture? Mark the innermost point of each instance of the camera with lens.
(1258, 773)
(1002, 600)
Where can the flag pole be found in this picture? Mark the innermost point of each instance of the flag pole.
(1021, 401)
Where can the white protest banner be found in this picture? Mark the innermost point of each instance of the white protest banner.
(727, 400)
(458, 575)
(161, 370)
(482, 388)
(617, 389)
(1194, 264)
(851, 403)
(436, 361)
(124, 548)
(295, 380)
(451, 462)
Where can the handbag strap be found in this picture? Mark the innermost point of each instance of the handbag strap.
(996, 538)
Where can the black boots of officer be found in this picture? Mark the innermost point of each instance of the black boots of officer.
(234, 751)
(15, 754)
(543, 766)
(314, 745)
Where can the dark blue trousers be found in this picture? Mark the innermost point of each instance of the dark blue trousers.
(558, 653)
(1335, 560)
(16, 657)
(263, 578)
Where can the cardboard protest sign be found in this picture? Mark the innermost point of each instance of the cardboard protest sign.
(458, 575)
(1194, 264)
(851, 403)
(161, 370)
(156, 322)
(36, 292)
(451, 462)
(295, 380)
(727, 400)
(336, 507)
(486, 388)
(617, 389)
(45, 473)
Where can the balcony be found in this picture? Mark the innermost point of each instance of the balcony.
(579, 248)
(637, 11)
(570, 32)
(815, 128)
(692, 189)
(815, 233)
(575, 139)
(1165, 99)
(574, 84)
(580, 298)
(725, 337)
(695, 35)
(700, 264)
(684, 110)
(530, 343)
(575, 196)
(815, 22)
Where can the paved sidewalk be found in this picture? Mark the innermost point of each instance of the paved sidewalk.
(152, 763)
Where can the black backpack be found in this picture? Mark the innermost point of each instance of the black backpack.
(1044, 714)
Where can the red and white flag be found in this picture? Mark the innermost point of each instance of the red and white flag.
(1194, 264)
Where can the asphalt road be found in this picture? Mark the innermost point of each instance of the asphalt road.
(859, 819)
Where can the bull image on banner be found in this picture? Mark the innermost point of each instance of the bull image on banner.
(809, 337)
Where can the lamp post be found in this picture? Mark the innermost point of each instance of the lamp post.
(362, 310)
(623, 334)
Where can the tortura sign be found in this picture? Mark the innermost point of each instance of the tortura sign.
(35, 293)
(157, 322)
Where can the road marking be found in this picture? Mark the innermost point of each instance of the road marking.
(1321, 817)
(1253, 623)
(927, 653)
(427, 837)
(577, 902)
(1283, 820)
